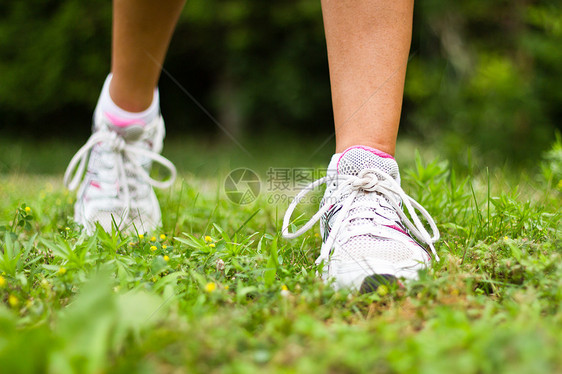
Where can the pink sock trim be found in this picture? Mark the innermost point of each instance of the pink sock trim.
(122, 122)
(374, 151)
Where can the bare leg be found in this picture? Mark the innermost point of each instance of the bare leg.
(142, 30)
(368, 45)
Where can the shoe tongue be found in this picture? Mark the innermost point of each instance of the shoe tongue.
(130, 129)
(131, 133)
(357, 158)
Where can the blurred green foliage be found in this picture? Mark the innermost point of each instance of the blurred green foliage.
(487, 75)
(482, 75)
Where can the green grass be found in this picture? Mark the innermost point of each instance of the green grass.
(249, 301)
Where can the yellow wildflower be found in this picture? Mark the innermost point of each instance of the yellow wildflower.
(13, 300)
(208, 239)
(164, 246)
(210, 287)
(226, 287)
(141, 236)
(62, 270)
(166, 258)
(153, 248)
(2, 281)
(162, 236)
(382, 290)
(153, 239)
(27, 209)
(212, 245)
(131, 244)
(505, 237)
(285, 291)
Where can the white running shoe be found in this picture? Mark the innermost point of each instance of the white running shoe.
(116, 189)
(367, 238)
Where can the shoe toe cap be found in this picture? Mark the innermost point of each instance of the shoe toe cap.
(350, 268)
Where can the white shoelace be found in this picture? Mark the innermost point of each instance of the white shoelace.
(125, 165)
(348, 188)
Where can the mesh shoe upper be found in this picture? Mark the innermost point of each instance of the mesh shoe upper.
(364, 229)
(116, 188)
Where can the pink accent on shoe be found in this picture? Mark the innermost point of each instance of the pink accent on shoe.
(95, 184)
(365, 148)
(396, 228)
(116, 121)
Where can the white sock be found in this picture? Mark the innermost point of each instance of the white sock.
(122, 117)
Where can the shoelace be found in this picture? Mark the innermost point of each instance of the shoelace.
(348, 188)
(129, 154)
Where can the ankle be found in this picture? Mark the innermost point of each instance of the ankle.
(122, 115)
(384, 148)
